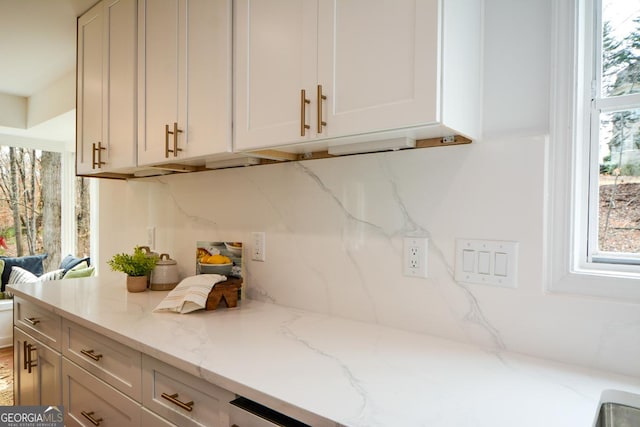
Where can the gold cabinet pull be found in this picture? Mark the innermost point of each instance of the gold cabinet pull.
(32, 321)
(89, 416)
(166, 141)
(25, 355)
(303, 112)
(321, 98)
(173, 398)
(29, 363)
(175, 133)
(98, 150)
(91, 354)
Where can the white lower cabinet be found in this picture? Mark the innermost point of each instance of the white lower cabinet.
(89, 401)
(182, 398)
(36, 355)
(37, 370)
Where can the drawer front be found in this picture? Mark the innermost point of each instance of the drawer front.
(38, 322)
(149, 419)
(170, 392)
(111, 361)
(88, 400)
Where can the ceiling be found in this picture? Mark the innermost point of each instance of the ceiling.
(37, 47)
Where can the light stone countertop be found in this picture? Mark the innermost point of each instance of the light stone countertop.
(347, 372)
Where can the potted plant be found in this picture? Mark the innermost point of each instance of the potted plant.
(136, 266)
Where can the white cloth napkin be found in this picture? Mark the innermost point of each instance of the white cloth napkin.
(190, 294)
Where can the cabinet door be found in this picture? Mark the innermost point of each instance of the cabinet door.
(25, 383)
(106, 87)
(275, 58)
(89, 87)
(186, 66)
(206, 99)
(379, 69)
(49, 375)
(41, 383)
(158, 21)
(119, 128)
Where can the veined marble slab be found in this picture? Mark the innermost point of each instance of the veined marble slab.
(349, 372)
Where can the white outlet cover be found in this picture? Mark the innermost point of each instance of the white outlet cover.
(414, 256)
(259, 246)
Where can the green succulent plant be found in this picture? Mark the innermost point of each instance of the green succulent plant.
(136, 264)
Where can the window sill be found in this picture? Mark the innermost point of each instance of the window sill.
(598, 283)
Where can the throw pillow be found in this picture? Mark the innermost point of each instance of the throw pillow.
(79, 266)
(20, 275)
(70, 261)
(31, 263)
(81, 272)
(52, 275)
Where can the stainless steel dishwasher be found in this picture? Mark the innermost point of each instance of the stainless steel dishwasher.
(247, 413)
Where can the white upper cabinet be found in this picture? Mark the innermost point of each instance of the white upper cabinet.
(276, 59)
(184, 92)
(106, 88)
(368, 69)
(377, 64)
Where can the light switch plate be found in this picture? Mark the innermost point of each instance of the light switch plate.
(487, 262)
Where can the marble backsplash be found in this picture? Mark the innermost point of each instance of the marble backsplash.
(334, 232)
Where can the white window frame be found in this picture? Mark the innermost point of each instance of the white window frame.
(568, 268)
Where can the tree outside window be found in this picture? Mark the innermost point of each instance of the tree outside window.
(31, 205)
(616, 117)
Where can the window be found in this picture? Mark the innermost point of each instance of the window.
(44, 208)
(614, 121)
(593, 179)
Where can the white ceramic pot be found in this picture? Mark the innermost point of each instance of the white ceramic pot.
(165, 275)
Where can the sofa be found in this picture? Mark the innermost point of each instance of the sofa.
(29, 268)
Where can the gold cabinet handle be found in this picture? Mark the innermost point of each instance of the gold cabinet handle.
(98, 150)
(321, 98)
(166, 141)
(303, 112)
(29, 363)
(25, 355)
(173, 398)
(89, 416)
(32, 321)
(91, 354)
(175, 133)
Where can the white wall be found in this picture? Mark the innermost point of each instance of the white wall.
(334, 227)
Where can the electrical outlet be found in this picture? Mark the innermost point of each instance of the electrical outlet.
(259, 246)
(414, 256)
